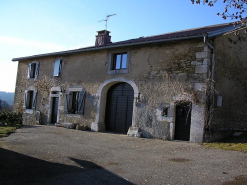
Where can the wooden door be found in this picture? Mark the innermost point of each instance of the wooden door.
(119, 108)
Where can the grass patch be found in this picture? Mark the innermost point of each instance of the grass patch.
(228, 146)
(234, 143)
(5, 130)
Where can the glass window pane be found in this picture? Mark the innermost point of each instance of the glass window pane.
(118, 61)
(124, 61)
(56, 68)
(33, 66)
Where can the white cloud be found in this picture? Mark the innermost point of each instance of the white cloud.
(48, 46)
(12, 47)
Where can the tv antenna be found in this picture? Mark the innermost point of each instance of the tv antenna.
(107, 17)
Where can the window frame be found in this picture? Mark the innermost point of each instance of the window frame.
(30, 99)
(79, 104)
(114, 63)
(111, 62)
(33, 70)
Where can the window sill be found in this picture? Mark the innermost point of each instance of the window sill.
(73, 115)
(29, 111)
(119, 71)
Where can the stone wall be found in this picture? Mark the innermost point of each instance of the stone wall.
(230, 81)
(163, 73)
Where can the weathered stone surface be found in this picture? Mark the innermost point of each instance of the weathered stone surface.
(160, 72)
(200, 86)
(201, 69)
(230, 81)
(69, 125)
(206, 61)
(82, 127)
(134, 132)
(203, 54)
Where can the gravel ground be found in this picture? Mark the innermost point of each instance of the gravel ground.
(54, 155)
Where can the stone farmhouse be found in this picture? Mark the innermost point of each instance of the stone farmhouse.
(187, 85)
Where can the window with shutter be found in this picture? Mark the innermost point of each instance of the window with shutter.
(33, 70)
(34, 99)
(30, 97)
(25, 100)
(74, 102)
(81, 103)
(66, 104)
(36, 69)
(57, 67)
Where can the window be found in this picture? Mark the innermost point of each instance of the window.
(33, 70)
(119, 61)
(165, 111)
(30, 99)
(74, 102)
(57, 67)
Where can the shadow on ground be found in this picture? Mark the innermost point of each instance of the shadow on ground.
(241, 138)
(16, 168)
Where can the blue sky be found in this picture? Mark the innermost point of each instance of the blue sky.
(29, 27)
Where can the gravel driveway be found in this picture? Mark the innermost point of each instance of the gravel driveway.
(54, 155)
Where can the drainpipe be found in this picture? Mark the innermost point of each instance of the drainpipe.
(211, 81)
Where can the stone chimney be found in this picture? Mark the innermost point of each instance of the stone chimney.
(103, 38)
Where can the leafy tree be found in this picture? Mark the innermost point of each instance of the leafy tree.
(234, 9)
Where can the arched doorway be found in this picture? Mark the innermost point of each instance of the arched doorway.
(119, 108)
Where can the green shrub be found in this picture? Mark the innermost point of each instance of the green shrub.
(11, 118)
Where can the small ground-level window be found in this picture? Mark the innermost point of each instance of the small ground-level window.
(33, 70)
(57, 67)
(30, 99)
(165, 112)
(119, 61)
(74, 102)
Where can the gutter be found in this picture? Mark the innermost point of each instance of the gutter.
(211, 82)
(222, 31)
(104, 47)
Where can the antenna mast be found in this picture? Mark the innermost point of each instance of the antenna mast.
(106, 20)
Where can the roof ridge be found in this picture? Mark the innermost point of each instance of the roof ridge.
(191, 29)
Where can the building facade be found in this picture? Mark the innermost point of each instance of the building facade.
(156, 87)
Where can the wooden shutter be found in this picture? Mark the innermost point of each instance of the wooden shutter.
(60, 66)
(25, 100)
(28, 100)
(66, 103)
(57, 67)
(81, 103)
(29, 70)
(37, 70)
(34, 100)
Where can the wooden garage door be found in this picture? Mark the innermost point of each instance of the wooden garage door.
(119, 108)
(183, 121)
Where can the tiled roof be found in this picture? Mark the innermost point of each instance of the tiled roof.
(178, 35)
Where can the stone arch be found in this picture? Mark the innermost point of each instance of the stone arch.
(99, 124)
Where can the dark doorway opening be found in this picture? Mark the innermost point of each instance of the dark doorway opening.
(183, 121)
(54, 111)
(119, 108)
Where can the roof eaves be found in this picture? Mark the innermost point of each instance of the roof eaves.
(221, 31)
(106, 47)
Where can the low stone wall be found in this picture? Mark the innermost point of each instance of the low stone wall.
(216, 135)
(29, 117)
